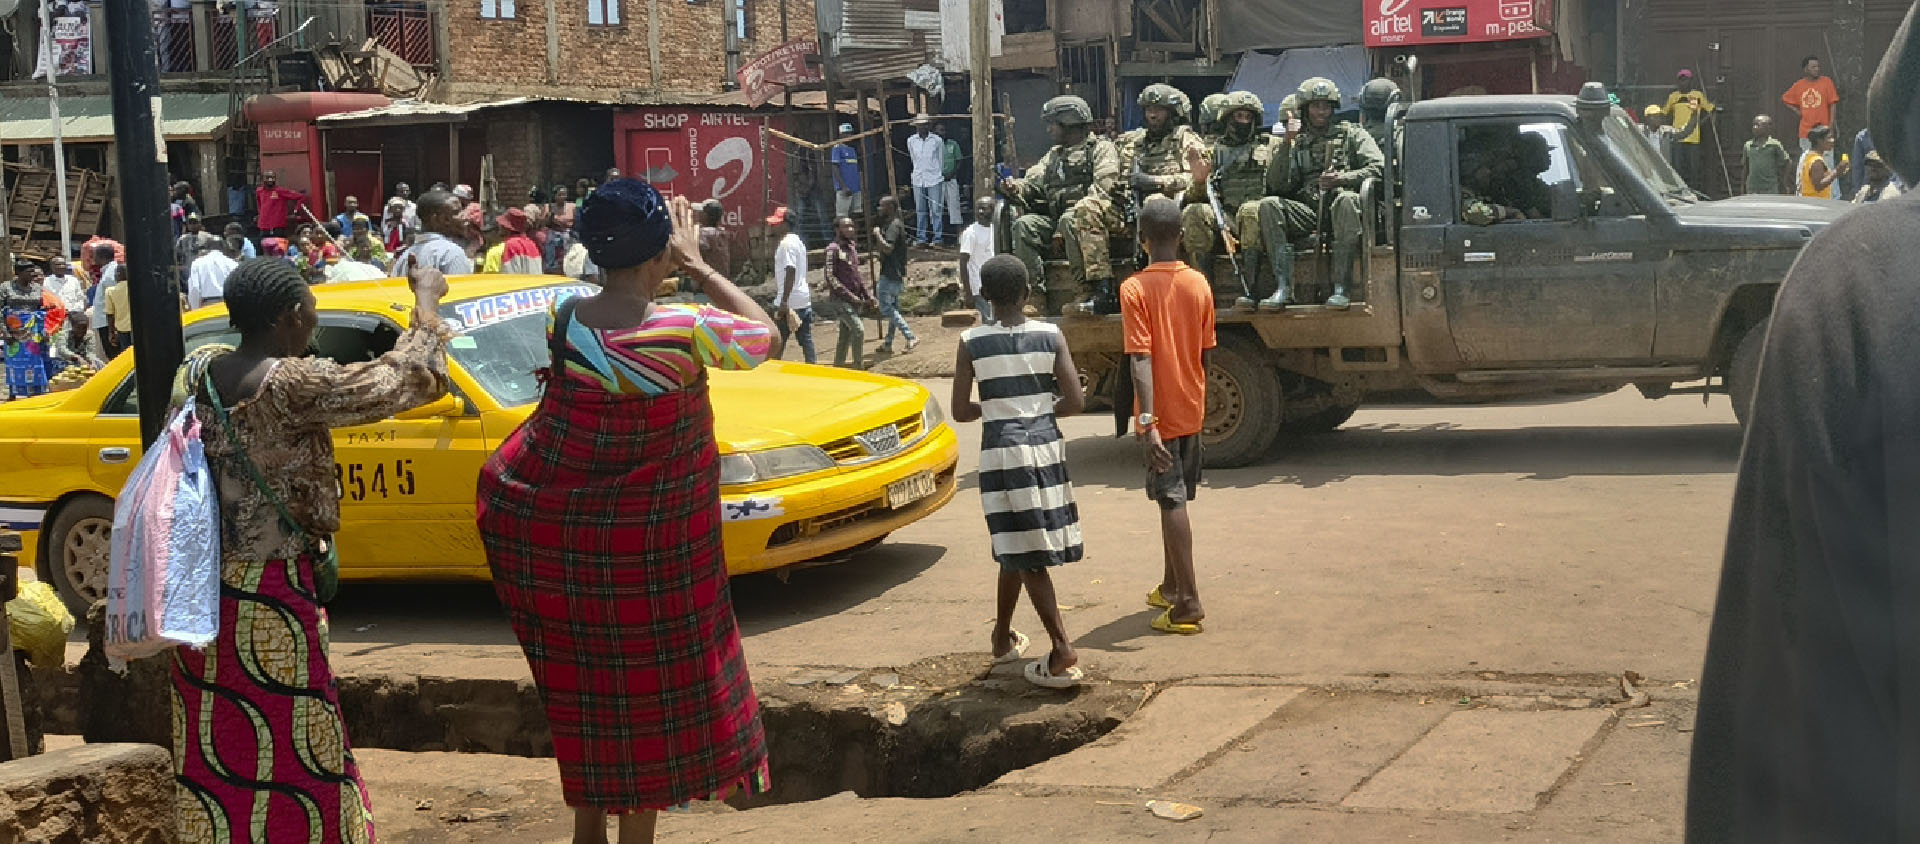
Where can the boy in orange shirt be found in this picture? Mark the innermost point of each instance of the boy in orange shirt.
(1167, 314)
(1813, 98)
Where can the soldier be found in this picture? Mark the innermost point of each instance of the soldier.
(1326, 164)
(1375, 98)
(1244, 165)
(1207, 122)
(1156, 159)
(1068, 196)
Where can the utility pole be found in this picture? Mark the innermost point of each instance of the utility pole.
(59, 146)
(135, 75)
(980, 44)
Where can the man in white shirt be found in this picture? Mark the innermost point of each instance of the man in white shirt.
(64, 284)
(976, 246)
(792, 299)
(207, 277)
(927, 150)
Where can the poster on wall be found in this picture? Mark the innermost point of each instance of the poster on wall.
(702, 155)
(1400, 23)
(778, 69)
(70, 41)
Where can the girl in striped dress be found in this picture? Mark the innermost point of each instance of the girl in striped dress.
(1027, 380)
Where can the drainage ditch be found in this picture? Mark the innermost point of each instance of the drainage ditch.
(935, 728)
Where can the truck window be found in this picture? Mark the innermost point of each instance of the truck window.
(1508, 169)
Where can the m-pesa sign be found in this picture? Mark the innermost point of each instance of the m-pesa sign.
(1399, 23)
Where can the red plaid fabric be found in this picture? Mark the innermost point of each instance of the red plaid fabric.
(601, 519)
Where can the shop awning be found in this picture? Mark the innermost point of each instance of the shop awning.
(89, 119)
(413, 112)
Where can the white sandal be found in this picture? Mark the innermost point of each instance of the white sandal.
(1038, 675)
(1015, 653)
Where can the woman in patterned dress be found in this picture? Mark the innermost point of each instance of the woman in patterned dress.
(601, 519)
(259, 751)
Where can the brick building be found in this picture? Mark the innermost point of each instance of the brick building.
(608, 50)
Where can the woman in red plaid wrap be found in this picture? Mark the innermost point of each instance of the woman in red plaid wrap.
(601, 519)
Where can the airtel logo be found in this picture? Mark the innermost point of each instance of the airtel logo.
(1389, 8)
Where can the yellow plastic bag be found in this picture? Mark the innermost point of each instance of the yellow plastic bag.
(40, 623)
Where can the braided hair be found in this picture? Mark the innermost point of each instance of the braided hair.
(260, 291)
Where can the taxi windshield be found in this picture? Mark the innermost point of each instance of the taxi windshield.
(501, 339)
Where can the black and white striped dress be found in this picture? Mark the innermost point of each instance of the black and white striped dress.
(1023, 459)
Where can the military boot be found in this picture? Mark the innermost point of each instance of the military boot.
(1343, 255)
(1248, 259)
(1282, 256)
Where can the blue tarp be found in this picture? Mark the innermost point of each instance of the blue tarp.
(1272, 77)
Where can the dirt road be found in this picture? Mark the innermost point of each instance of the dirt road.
(1423, 548)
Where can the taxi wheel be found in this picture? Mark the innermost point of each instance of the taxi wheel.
(80, 543)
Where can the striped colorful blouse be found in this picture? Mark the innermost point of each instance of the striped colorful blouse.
(667, 352)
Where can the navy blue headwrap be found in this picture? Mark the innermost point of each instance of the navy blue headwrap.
(624, 224)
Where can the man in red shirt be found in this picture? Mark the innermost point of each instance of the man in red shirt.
(1166, 312)
(1812, 97)
(276, 205)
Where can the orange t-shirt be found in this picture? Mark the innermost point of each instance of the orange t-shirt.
(1815, 99)
(1167, 313)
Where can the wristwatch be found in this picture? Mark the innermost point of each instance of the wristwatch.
(1145, 420)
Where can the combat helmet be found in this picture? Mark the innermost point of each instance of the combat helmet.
(1210, 111)
(1067, 110)
(1315, 89)
(1379, 93)
(1169, 97)
(1290, 105)
(1236, 100)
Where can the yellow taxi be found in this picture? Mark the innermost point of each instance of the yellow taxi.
(815, 462)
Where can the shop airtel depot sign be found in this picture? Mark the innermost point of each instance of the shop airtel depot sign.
(1399, 23)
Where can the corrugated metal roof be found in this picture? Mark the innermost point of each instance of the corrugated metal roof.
(185, 116)
(407, 112)
(874, 25)
(879, 65)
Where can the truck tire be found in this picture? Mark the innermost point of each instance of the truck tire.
(1323, 422)
(77, 549)
(1243, 404)
(1744, 370)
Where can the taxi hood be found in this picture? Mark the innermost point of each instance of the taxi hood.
(781, 403)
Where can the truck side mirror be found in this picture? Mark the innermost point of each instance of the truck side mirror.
(1566, 201)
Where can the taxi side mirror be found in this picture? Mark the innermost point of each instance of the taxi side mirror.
(448, 405)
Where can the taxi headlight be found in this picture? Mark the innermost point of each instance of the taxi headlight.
(932, 416)
(772, 464)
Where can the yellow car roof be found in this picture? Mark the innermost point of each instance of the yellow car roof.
(392, 297)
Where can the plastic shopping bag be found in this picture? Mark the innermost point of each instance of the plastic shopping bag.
(163, 584)
(39, 624)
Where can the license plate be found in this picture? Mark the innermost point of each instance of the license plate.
(902, 493)
(882, 441)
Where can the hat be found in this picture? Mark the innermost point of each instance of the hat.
(464, 192)
(778, 216)
(922, 120)
(846, 128)
(1653, 111)
(1686, 74)
(515, 220)
(193, 216)
(1873, 157)
(397, 202)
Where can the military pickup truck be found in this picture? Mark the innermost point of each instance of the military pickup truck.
(1626, 276)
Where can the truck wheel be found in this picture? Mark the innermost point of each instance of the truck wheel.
(1744, 370)
(1324, 421)
(77, 551)
(1243, 405)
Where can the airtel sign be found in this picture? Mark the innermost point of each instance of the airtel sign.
(1400, 23)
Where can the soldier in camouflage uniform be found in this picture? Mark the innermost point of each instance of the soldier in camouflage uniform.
(1317, 195)
(1376, 97)
(1244, 165)
(1067, 196)
(1207, 121)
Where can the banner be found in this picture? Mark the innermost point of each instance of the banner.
(1400, 23)
(704, 154)
(778, 69)
(71, 42)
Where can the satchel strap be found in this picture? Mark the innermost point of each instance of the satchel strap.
(240, 452)
(557, 344)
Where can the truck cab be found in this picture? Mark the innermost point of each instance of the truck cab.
(1605, 270)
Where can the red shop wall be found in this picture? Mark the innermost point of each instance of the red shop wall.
(705, 154)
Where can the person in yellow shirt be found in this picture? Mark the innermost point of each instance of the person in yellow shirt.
(1687, 109)
(120, 316)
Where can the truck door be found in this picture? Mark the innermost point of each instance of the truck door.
(1530, 290)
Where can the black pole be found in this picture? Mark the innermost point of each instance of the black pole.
(134, 74)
